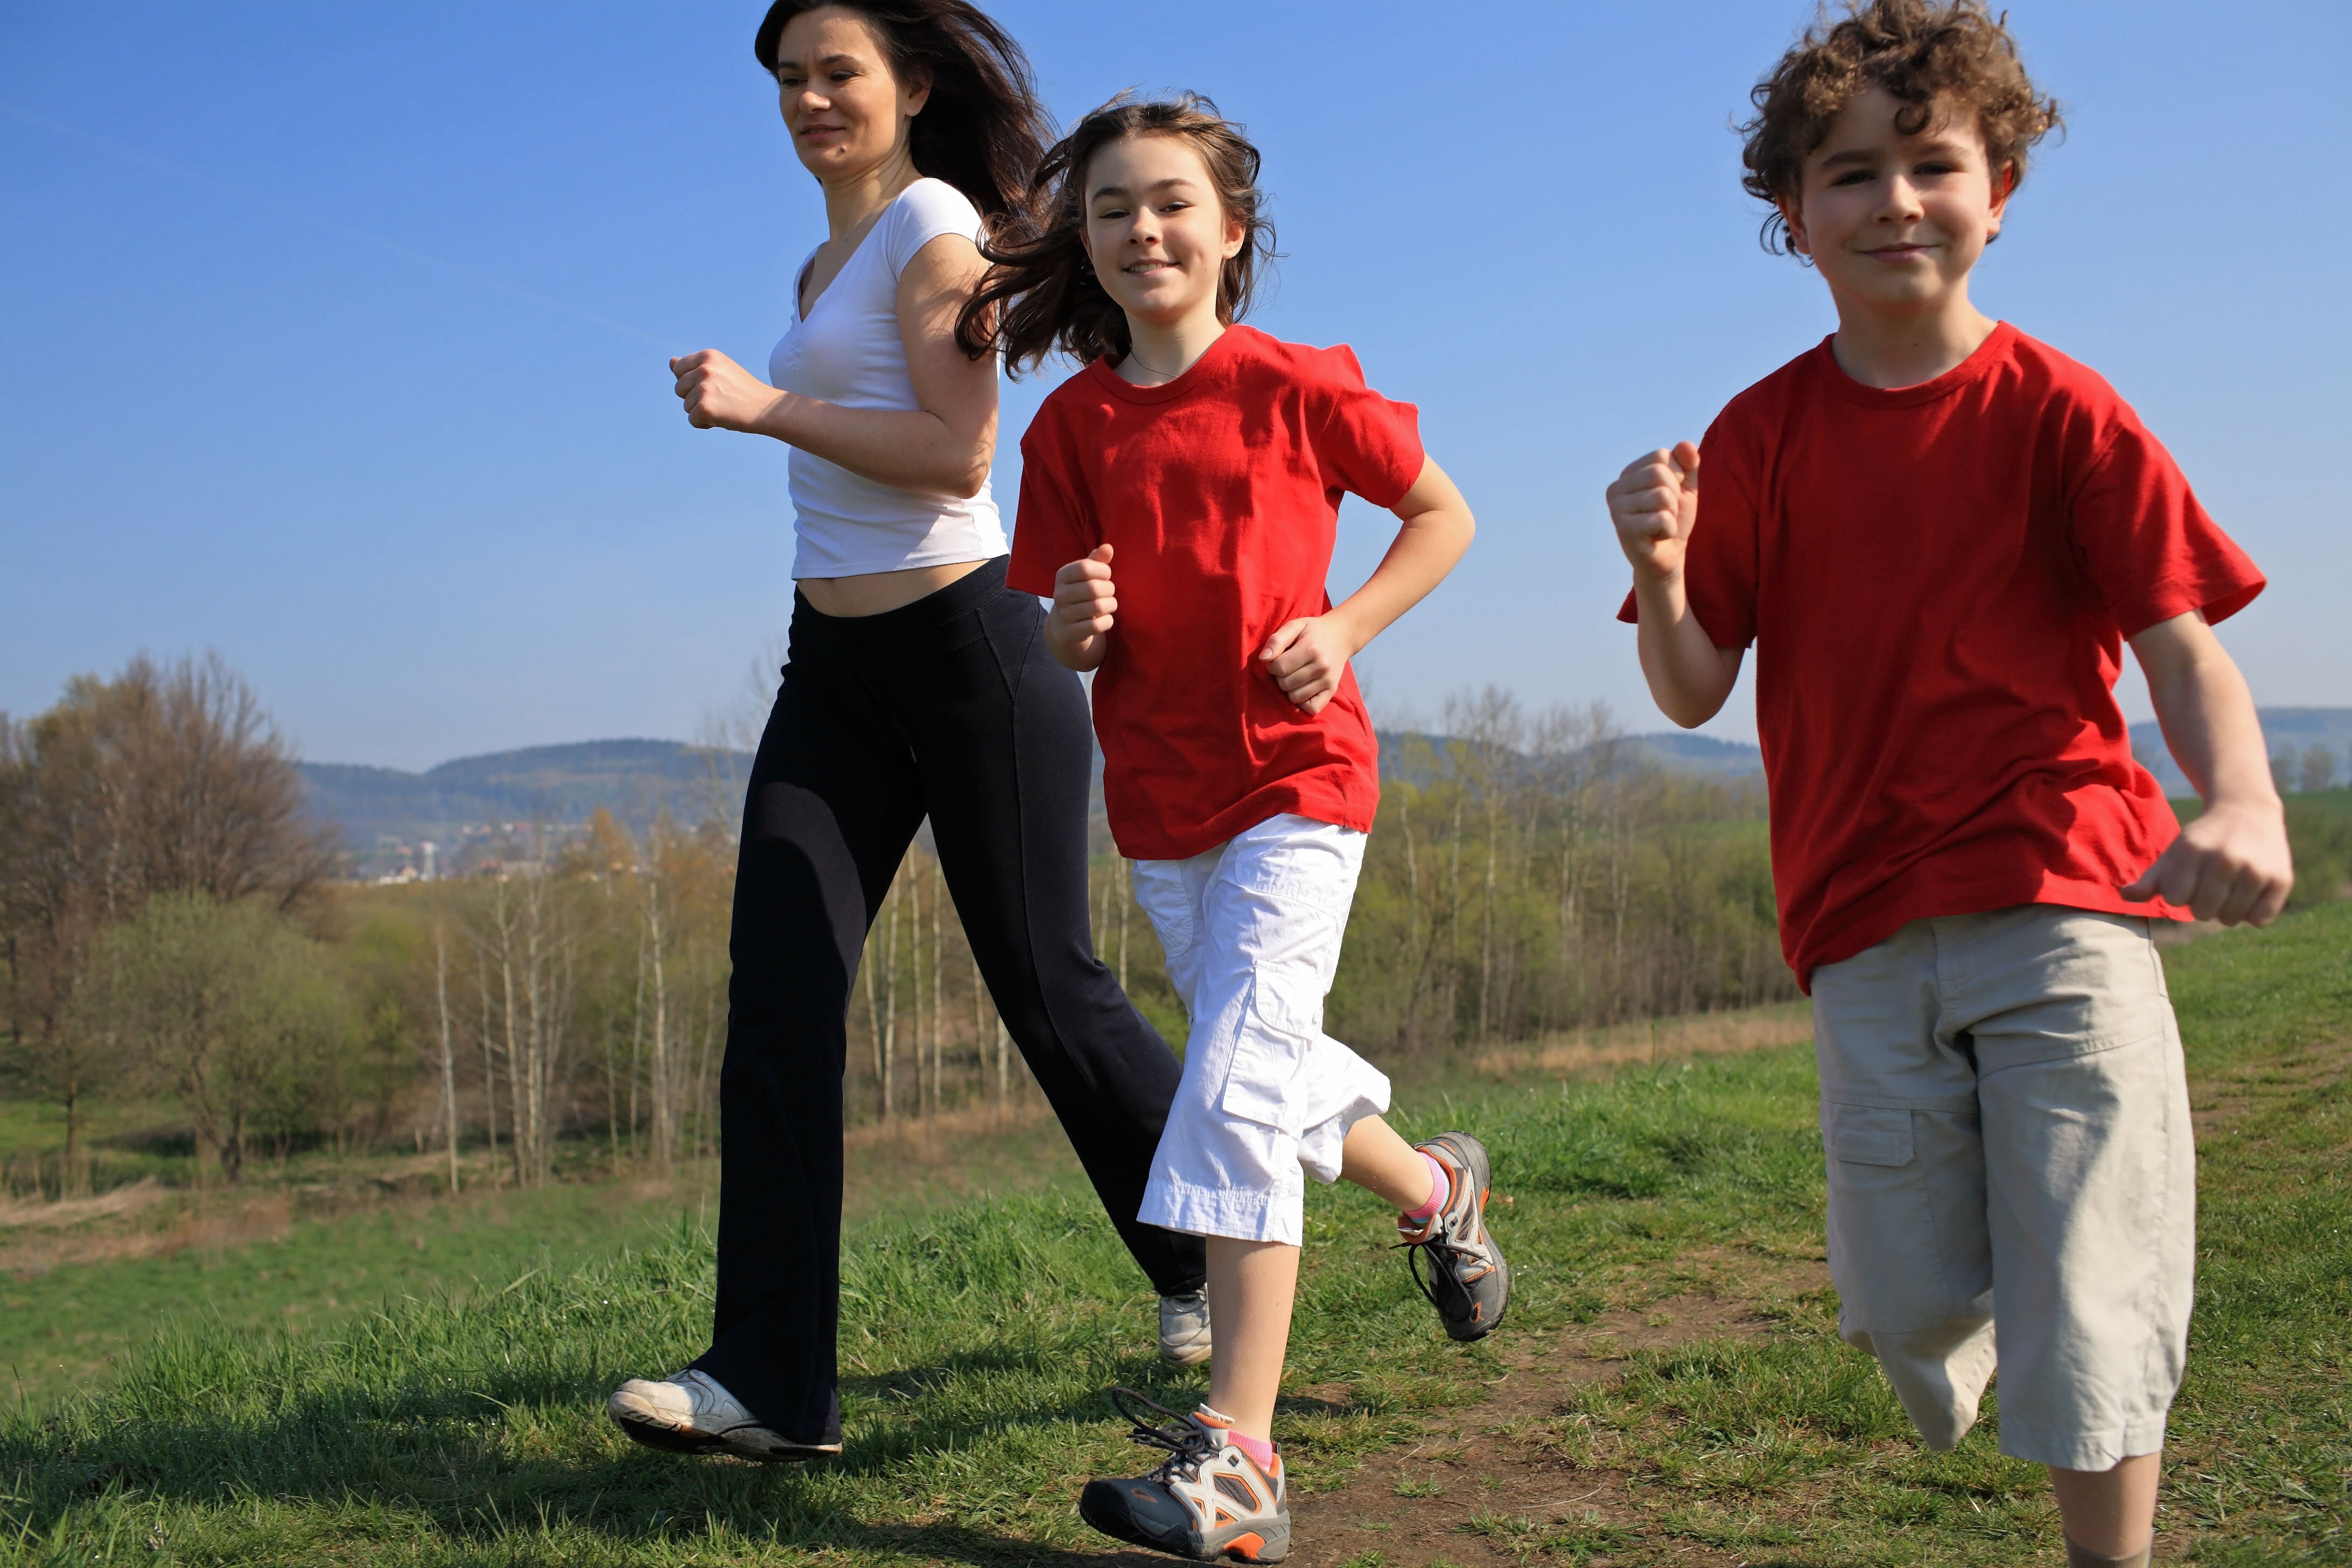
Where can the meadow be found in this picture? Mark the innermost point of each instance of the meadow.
(1670, 1388)
(309, 1242)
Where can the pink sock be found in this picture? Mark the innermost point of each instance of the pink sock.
(1259, 1450)
(1440, 1189)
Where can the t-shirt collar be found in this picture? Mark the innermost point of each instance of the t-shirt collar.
(1202, 372)
(1989, 353)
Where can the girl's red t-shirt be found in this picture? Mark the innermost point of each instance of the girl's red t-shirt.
(1219, 493)
(1938, 581)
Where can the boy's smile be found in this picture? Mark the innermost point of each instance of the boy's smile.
(1895, 220)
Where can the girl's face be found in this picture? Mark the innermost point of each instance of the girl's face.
(847, 112)
(1155, 234)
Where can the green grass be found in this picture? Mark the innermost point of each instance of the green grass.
(62, 1328)
(302, 1257)
(119, 1144)
(979, 1341)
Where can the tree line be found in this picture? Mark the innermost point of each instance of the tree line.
(173, 930)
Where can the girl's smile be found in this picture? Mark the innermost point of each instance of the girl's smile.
(1155, 233)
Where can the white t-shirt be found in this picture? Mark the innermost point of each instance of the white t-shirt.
(847, 351)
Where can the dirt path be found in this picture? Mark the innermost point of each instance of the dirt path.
(1474, 1490)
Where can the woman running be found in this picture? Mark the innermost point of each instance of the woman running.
(918, 685)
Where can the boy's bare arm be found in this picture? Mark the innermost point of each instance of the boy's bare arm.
(2232, 863)
(1653, 504)
(1307, 656)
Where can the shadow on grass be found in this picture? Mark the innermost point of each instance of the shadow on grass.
(471, 1458)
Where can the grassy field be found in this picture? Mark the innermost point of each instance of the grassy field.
(64, 1328)
(466, 1427)
(302, 1257)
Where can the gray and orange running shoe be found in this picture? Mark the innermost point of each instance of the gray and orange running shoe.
(1467, 1281)
(1207, 1500)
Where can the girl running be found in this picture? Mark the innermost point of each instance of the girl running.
(1178, 504)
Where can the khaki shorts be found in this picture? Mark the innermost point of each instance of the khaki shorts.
(2006, 1116)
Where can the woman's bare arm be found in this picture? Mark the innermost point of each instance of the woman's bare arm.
(943, 445)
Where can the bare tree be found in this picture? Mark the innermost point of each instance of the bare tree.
(2318, 769)
(449, 1049)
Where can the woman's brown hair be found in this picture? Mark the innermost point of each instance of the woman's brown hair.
(983, 128)
(1041, 293)
(1932, 55)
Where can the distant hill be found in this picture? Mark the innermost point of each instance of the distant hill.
(559, 786)
(1680, 751)
(384, 813)
(2295, 730)
(1672, 751)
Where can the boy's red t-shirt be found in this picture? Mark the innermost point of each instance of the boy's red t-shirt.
(1219, 493)
(1938, 581)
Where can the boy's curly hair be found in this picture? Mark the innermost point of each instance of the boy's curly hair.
(1928, 53)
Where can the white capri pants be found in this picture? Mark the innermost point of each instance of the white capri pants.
(2006, 1113)
(1252, 932)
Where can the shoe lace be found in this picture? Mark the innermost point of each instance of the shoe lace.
(1190, 1446)
(1445, 1254)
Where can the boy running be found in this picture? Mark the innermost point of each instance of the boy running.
(1938, 534)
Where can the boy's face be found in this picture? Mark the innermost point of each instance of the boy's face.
(1894, 221)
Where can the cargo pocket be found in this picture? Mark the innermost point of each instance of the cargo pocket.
(1262, 1082)
(1904, 1256)
(1870, 1135)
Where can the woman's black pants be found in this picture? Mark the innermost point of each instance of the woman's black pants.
(947, 708)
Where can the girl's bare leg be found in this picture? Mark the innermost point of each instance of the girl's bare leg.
(1384, 1165)
(1252, 1285)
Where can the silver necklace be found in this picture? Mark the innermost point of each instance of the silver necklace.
(1162, 375)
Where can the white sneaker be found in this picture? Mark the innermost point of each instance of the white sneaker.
(691, 1412)
(1184, 1329)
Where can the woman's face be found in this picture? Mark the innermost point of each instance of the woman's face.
(846, 110)
(1156, 233)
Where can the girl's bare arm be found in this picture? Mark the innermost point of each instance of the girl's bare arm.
(1307, 656)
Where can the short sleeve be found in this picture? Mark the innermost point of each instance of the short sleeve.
(1053, 524)
(1719, 569)
(1366, 445)
(2149, 546)
(924, 211)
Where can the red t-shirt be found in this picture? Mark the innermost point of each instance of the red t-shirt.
(1938, 581)
(1218, 493)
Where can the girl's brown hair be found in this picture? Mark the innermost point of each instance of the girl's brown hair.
(1041, 293)
(1931, 55)
(982, 126)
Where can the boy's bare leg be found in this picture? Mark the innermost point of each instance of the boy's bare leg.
(2111, 1512)
(1385, 1165)
(1252, 1285)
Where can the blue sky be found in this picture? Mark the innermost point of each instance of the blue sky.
(334, 336)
